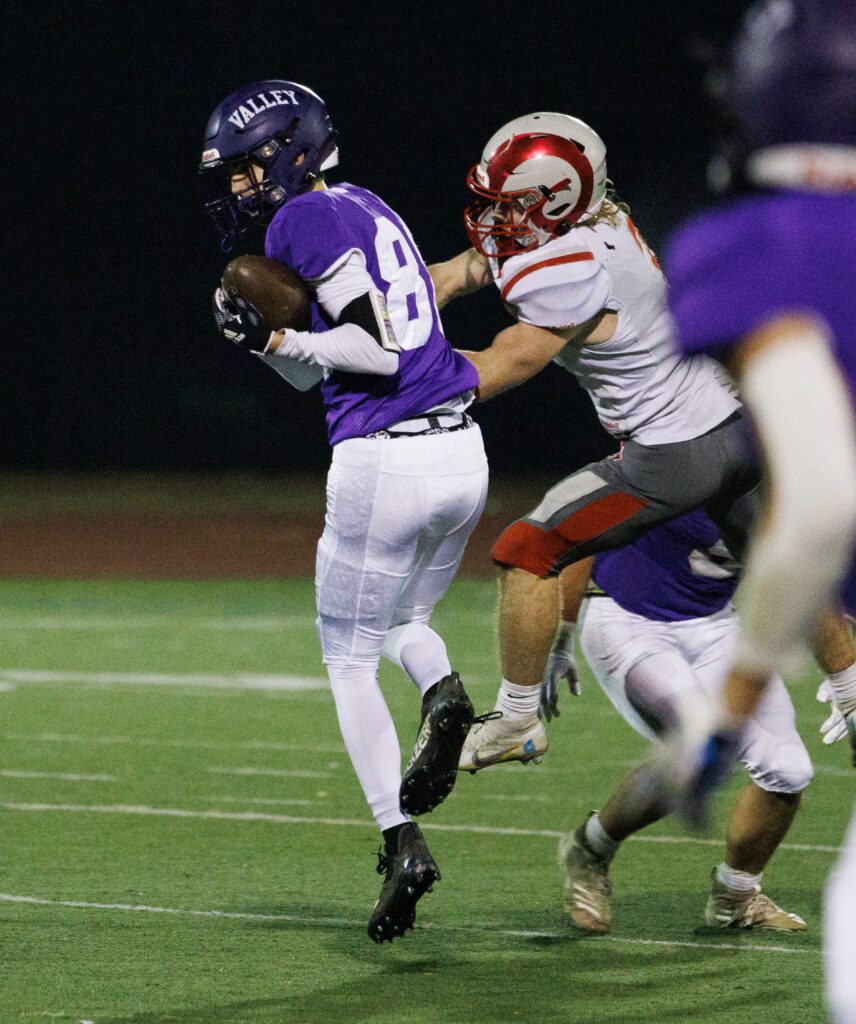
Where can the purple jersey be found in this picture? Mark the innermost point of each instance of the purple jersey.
(732, 269)
(314, 234)
(679, 570)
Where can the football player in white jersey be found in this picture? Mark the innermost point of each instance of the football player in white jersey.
(586, 292)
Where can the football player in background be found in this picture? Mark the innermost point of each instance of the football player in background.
(766, 282)
(587, 292)
(658, 629)
(408, 478)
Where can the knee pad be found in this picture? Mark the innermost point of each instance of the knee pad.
(780, 767)
(346, 642)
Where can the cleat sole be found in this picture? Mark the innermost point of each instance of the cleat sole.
(402, 914)
(431, 776)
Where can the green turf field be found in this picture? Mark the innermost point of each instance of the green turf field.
(183, 840)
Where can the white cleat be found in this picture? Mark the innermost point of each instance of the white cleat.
(587, 897)
(499, 739)
(731, 908)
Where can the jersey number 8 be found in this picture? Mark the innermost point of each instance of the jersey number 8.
(411, 307)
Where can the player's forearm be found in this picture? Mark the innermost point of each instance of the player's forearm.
(832, 641)
(803, 546)
(461, 275)
(835, 653)
(516, 354)
(499, 372)
(742, 692)
(347, 347)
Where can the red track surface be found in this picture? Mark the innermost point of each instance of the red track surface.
(183, 546)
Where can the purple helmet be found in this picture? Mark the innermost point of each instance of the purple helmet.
(791, 88)
(282, 126)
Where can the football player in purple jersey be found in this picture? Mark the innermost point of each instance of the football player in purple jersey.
(658, 629)
(766, 283)
(408, 478)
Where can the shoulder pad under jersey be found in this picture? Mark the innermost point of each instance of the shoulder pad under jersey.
(310, 236)
(555, 286)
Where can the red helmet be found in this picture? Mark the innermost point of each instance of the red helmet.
(550, 169)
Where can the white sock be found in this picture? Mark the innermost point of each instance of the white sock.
(370, 738)
(741, 881)
(418, 650)
(598, 839)
(517, 702)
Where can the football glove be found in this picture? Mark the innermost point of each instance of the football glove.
(837, 725)
(562, 664)
(240, 322)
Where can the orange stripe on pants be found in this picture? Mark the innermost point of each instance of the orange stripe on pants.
(525, 546)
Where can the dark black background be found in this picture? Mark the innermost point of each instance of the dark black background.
(110, 357)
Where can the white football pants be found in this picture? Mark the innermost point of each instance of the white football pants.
(643, 665)
(839, 933)
(399, 514)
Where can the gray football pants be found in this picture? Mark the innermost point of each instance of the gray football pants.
(608, 504)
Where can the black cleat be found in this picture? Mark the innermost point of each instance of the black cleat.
(410, 873)
(446, 720)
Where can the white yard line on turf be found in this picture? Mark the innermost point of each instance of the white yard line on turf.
(217, 682)
(265, 801)
(287, 819)
(344, 922)
(517, 797)
(251, 624)
(275, 773)
(118, 623)
(10, 773)
(151, 741)
(836, 773)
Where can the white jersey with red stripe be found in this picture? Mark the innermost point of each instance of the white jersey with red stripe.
(640, 387)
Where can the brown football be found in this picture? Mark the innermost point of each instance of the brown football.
(273, 288)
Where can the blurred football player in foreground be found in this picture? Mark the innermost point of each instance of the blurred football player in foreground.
(409, 475)
(658, 629)
(766, 283)
(587, 292)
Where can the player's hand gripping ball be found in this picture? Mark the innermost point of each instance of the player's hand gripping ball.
(258, 297)
(240, 322)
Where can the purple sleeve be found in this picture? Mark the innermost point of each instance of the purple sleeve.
(727, 276)
(309, 236)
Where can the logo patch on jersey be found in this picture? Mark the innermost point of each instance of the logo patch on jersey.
(381, 312)
(261, 102)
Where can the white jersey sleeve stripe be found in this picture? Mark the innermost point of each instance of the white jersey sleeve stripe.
(572, 257)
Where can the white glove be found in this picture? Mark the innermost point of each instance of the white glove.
(838, 725)
(834, 728)
(562, 664)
